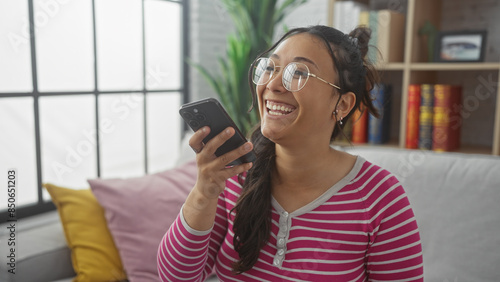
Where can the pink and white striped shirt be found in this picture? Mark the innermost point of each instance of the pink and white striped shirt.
(361, 229)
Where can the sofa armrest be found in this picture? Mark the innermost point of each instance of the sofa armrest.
(41, 252)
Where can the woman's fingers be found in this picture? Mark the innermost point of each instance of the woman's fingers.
(218, 140)
(235, 154)
(237, 169)
(196, 141)
(212, 170)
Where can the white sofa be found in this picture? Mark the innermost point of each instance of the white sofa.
(456, 199)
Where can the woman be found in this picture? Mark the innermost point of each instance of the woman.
(303, 211)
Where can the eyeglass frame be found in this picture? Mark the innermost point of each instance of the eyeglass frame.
(309, 74)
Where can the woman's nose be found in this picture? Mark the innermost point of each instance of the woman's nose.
(276, 83)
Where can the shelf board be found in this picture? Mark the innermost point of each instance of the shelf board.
(454, 66)
(438, 66)
(390, 66)
(475, 149)
(390, 144)
(465, 149)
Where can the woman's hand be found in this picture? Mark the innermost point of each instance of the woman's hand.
(201, 204)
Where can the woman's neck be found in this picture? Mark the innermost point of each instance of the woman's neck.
(301, 176)
(303, 166)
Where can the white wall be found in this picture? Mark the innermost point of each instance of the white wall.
(209, 26)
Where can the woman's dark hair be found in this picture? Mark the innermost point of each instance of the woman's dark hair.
(252, 222)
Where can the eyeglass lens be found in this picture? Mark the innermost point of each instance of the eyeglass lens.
(294, 78)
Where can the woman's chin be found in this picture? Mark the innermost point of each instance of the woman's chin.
(271, 132)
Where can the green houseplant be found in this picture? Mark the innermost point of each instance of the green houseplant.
(255, 22)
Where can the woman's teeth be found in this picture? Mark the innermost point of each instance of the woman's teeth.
(278, 110)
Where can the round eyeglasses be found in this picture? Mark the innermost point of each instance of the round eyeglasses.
(294, 78)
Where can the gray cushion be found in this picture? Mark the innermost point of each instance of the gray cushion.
(41, 250)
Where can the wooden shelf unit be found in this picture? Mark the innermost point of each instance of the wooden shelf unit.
(416, 69)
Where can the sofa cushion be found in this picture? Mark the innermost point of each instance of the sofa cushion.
(455, 198)
(40, 245)
(140, 210)
(93, 252)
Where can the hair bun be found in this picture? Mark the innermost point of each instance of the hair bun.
(361, 36)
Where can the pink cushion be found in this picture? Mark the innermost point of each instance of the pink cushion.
(139, 211)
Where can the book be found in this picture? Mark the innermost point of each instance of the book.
(373, 25)
(446, 119)
(378, 128)
(360, 126)
(346, 15)
(413, 115)
(425, 118)
(390, 36)
(364, 18)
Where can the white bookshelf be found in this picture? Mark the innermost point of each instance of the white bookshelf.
(416, 70)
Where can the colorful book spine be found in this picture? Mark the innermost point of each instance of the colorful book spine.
(359, 126)
(456, 117)
(412, 119)
(426, 113)
(446, 119)
(378, 128)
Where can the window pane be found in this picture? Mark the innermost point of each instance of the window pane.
(164, 130)
(121, 119)
(119, 44)
(163, 44)
(64, 45)
(17, 148)
(68, 140)
(15, 58)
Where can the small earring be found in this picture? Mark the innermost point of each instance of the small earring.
(340, 120)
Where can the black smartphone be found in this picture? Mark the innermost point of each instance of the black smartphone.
(209, 112)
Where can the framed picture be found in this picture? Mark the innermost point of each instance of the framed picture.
(460, 46)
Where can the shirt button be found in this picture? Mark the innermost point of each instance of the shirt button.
(281, 242)
(285, 214)
(276, 262)
(281, 252)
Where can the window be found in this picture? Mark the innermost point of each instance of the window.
(88, 88)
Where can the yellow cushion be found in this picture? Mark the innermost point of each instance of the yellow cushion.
(93, 251)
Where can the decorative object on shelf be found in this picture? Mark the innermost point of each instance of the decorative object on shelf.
(430, 31)
(460, 46)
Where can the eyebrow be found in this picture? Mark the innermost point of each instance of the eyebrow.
(298, 59)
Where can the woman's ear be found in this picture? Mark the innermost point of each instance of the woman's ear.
(346, 104)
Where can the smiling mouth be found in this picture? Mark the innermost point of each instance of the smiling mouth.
(278, 109)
